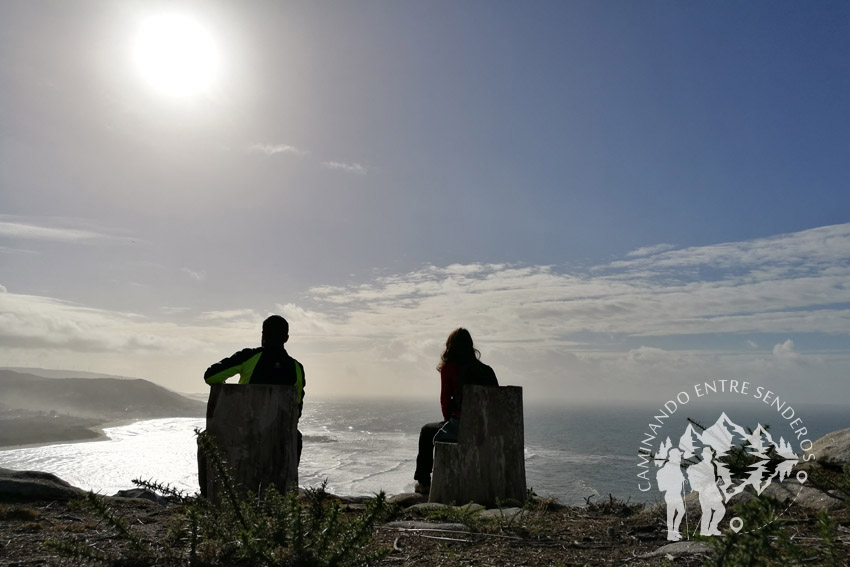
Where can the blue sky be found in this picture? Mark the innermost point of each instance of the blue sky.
(616, 198)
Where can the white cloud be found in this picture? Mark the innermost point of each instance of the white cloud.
(650, 250)
(273, 149)
(785, 350)
(197, 275)
(174, 310)
(815, 247)
(37, 232)
(347, 167)
(230, 315)
(645, 354)
(3, 289)
(578, 334)
(8, 250)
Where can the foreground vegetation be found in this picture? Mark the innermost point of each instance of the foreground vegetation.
(316, 529)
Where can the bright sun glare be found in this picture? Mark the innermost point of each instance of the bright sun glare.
(177, 55)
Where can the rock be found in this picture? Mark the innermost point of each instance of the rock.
(407, 499)
(425, 506)
(503, 514)
(833, 449)
(419, 525)
(35, 485)
(679, 548)
(143, 494)
(806, 496)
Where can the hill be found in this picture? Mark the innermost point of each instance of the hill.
(50, 373)
(36, 409)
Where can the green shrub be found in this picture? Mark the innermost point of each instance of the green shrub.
(265, 530)
(762, 542)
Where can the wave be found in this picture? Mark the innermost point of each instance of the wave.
(318, 439)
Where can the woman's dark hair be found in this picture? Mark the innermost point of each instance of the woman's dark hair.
(459, 348)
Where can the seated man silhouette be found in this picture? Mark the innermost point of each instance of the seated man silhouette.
(266, 364)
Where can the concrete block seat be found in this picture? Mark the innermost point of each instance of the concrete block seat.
(487, 464)
(255, 427)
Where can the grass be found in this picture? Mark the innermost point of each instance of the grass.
(19, 513)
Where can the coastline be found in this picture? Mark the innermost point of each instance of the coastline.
(69, 434)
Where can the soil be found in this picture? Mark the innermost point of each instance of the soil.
(549, 535)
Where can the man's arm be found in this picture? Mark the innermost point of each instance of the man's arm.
(230, 366)
(300, 383)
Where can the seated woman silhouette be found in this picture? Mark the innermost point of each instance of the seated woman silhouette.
(459, 365)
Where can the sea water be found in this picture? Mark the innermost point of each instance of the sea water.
(572, 453)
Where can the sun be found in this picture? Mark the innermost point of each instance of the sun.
(177, 55)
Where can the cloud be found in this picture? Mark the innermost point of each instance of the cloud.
(785, 350)
(45, 332)
(524, 315)
(199, 276)
(230, 315)
(347, 167)
(28, 231)
(650, 250)
(8, 250)
(796, 252)
(633, 326)
(28, 321)
(3, 289)
(274, 149)
(646, 354)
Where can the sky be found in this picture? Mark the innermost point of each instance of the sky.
(618, 199)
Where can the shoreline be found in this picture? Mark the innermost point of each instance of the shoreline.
(97, 433)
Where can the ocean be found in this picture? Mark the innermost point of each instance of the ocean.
(362, 447)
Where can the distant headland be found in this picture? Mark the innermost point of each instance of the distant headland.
(40, 407)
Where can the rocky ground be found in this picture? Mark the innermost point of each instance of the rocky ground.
(38, 507)
(541, 534)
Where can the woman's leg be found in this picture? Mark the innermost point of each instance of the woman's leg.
(425, 458)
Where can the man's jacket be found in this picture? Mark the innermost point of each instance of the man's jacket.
(261, 365)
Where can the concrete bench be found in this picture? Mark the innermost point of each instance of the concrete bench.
(255, 428)
(487, 464)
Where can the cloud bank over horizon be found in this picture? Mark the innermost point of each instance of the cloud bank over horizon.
(774, 310)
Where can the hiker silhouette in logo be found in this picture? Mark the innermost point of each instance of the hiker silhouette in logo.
(671, 482)
(703, 479)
